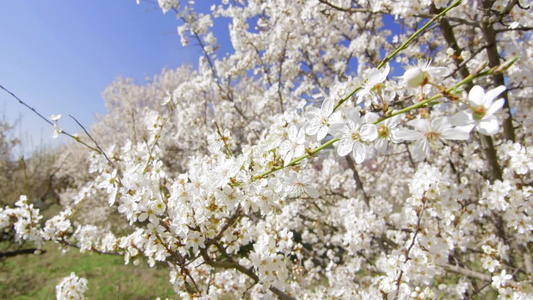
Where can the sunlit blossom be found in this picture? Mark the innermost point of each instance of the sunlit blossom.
(482, 108)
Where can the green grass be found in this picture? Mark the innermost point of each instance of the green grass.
(35, 276)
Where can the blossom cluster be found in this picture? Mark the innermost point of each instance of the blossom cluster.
(71, 287)
(285, 170)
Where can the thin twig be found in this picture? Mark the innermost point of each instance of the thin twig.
(94, 141)
(48, 121)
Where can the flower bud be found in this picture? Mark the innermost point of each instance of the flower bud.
(414, 77)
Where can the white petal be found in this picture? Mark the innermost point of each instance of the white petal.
(284, 148)
(327, 107)
(477, 95)
(440, 124)
(345, 147)
(361, 94)
(353, 115)
(385, 72)
(421, 125)
(462, 118)
(322, 132)
(488, 126)
(492, 94)
(312, 128)
(311, 191)
(369, 132)
(420, 149)
(359, 152)
(438, 71)
(287, 159)
(299, 151)
(292, 132)
(300, 138)
(313, 113)
(408, 135)
(337, 129)
(335, 117)
(458, 133)
(371, 117)
(382, 145)
(497, 105)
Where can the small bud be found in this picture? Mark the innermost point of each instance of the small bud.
(414, 77)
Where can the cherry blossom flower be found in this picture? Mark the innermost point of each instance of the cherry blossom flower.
(375, 78)
(57, 129)
(386, 132)
(482, 109)
(110, 184)
(195, 240)
(294, 146)
(521, 159)
(71, 287)
(428, 132)
(148, 213)
(501, 280)
(422, 74)
(321, 119)
(489, 263)
(226, 170)
(296, 183)
(353, 135)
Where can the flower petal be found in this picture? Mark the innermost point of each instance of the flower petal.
(497, 105)
(460, 133)
(492, 94)
(462, 118)
(421, 125)
(408, 135)
(477, 95)
(359, 153)
(327, 107)
(381, 145)
(488, 125)
(345, 147)
(322, 132)
(311, 191)
(369, 132)
(337, 129)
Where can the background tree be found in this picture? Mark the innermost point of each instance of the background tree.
(307, 170)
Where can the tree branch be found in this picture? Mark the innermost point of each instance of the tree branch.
(489, 35)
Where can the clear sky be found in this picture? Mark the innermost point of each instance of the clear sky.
(58, 57)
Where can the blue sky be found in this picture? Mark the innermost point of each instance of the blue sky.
(58, 57)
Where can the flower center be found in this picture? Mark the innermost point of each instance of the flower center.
(383, 131)
(479, 112)
(432, 136)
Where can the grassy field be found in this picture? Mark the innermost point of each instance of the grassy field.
(35, 276)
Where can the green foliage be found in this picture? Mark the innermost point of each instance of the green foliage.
(35, 276)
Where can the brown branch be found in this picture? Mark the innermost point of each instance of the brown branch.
(492, 157)
(449, 36)
(229, 263)
(358, 182)
(470, 273)
(230, 222)
(19, 252)
(489, 34)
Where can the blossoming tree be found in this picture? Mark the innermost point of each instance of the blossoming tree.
(299, 166)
